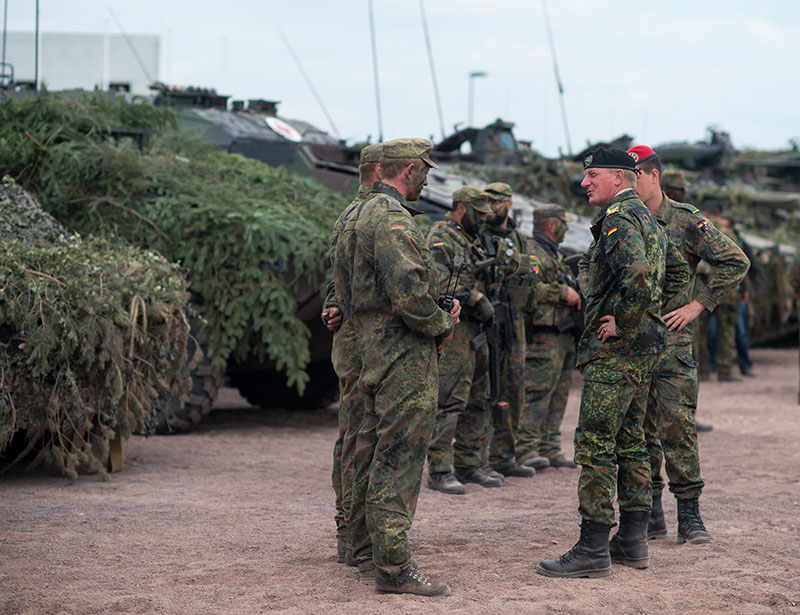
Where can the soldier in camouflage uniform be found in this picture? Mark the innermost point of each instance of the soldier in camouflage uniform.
(551, 328)
(622, 275)
(347, 365)
(670, 419)
(501, 230)
(463, 377)
(387, 287)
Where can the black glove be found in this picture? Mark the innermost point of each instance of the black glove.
(483, 310)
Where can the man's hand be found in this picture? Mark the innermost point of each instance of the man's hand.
(573, 298)
(483, 309)
(456, 311)
(678, 319)
(444, 342)
(608, 329)
(333, 318)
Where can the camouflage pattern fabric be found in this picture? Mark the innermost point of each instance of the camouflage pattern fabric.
(462, 414)
(387, 287)
(550, 355)
(670, 421)
(610, 435)
(622, 273)
(669, 424)
(726, 314)
(347, 365)
(463, 411)
(510, 247)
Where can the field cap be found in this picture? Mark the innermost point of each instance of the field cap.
(409, 148)
(371, 153)
(473, 197)
(550, 211)
(674, 178)
(498, 191)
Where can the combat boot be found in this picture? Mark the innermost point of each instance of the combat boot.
(514, 469)
(477, 475)
(561, 461)
(492, 474)
(690, 525)
(366, 570)
(446, 482)
(589, 557)
(703, 427)
(629, 545)
(534, 460)
(656, 526)
(410, 581)
(341, 549)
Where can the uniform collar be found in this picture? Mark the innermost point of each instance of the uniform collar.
(381, 188)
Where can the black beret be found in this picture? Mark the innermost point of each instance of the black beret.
(605, 158)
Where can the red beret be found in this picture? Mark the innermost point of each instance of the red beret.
(640, 153)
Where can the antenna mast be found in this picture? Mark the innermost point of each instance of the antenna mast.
(433, 68)
(558, 77)
(375, 71)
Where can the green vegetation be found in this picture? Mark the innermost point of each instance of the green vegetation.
(245, 233)
(92, 335)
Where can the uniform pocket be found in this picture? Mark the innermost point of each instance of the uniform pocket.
(686, 359)
(602, 374)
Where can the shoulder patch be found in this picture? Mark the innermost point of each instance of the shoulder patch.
(398, 226)
(611, 231)
(437, 244)
(702, 225)
(686, 206)
(614, 209)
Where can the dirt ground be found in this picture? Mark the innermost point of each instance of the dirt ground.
(237, 517)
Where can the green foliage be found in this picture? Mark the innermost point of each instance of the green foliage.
(91, 335)
(250, 236)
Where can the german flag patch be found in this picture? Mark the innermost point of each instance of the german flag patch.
(702, 225)
(397, 226)
(611, 231)
(437, 244)
(534, 268)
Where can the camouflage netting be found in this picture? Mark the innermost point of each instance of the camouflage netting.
(247, 234)
(91, 335)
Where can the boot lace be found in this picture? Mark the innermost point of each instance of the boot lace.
(420, 577)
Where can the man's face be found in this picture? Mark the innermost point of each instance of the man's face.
(499, 213)
(647, 185)
(600, 185)
(472, 220)
(559, 229)
(417, 179)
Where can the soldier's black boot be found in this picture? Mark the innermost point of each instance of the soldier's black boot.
(588, 558)
(629, 545)
(690, 525)
(657, 526)
(341, 549)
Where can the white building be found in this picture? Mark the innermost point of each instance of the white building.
(85, 61)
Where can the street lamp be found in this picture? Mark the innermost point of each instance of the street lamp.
(472, 76)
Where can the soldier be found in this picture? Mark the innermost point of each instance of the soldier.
(501, 230)
(347, 365)
(551, 329)
(463, 376)
(621, 275)
(673, 182)
(670, 418)
(387, 288)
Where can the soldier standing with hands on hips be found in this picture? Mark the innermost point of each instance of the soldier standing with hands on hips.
(622, 276)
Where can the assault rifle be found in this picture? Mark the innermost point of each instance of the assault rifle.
(574, 322)
(498, 332)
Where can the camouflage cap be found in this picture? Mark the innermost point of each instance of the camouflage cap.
(673, 178)
(498, 191)
(473, 197)
(371, 153)
(550, 211)
(409, 148)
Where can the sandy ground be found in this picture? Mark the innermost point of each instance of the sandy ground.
(237, 517)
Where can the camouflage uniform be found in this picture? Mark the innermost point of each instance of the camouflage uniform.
(621, 274)
(550, 355)
(347, 365)
(672, 401)
(509, 246)
(387, 287)
(463, 376)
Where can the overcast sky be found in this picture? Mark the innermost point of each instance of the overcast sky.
(657, 71)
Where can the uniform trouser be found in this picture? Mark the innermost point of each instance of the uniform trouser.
(512, 391)
(726, 314)
(347, 365)
(399, 410)
(609, 440)
(549, 362)
(669, 423)
(462, 407)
